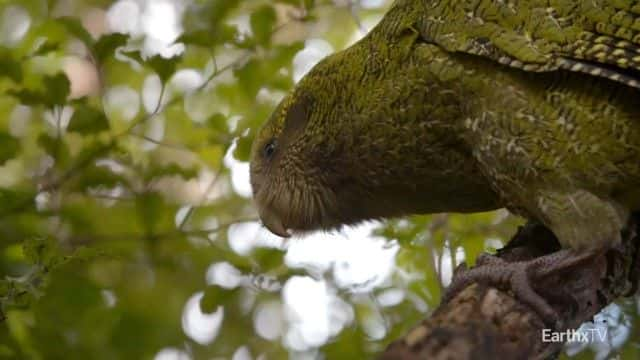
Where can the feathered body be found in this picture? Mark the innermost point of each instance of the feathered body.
(465, 106)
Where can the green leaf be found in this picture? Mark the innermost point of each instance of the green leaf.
(215, 296)
(9, 66)
(88, 120)
(150, 208)
(9, 147)
(6, 351)
(56, 89)
(268, 258)
(283, 54)
(56, 148)
(55, 92)
(218, 10)
(251, 77)
(263, 21)
(171, 170)
(264, 72)
(93, 150)
(309, 4)
(27, 97)
(75, 27)
(43, 251)
(98, 176)
(46, 47)
(223, 33)
(16, 293)
(218, 123)
(163, 67)
(242, 151)
(135, 55)
(200, 38)
(107, 45)
(12, 200)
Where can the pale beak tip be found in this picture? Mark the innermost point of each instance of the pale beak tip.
(277, 228)
(274, 222)
(281, 232)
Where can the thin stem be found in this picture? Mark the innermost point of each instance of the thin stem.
(205, 194)
(353, 10)
(169, 234)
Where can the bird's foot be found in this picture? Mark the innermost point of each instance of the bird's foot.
(518, 276)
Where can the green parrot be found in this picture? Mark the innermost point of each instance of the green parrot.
(467, 106)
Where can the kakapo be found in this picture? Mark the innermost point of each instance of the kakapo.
(466, 106)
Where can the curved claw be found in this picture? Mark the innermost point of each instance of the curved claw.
(514, 276)
(517, 277)
(524, 292)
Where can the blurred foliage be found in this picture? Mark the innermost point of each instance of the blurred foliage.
(116, 191)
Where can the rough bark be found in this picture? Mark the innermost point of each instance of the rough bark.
(483, 322)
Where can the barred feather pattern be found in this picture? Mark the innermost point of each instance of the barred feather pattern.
(599, 37)
(462, 106)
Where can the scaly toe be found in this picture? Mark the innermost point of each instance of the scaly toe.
(488, 259)
(521, 287)
(514, 276)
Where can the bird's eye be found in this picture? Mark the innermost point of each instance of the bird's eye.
(269, 149)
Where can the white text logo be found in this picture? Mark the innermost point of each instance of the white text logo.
(572, 335)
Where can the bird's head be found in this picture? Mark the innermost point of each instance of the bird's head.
(289, 186)
(356, 140)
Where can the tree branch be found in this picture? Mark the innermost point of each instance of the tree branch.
(483, 322)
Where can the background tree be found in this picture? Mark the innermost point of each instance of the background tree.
(126, 224)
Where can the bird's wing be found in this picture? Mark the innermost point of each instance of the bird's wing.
(598, 37)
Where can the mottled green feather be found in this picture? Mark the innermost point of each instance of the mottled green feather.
(540, 35)
(425, 114)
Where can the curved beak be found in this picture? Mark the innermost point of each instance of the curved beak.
(274, 224)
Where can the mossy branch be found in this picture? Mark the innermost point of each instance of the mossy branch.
(483, 322)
